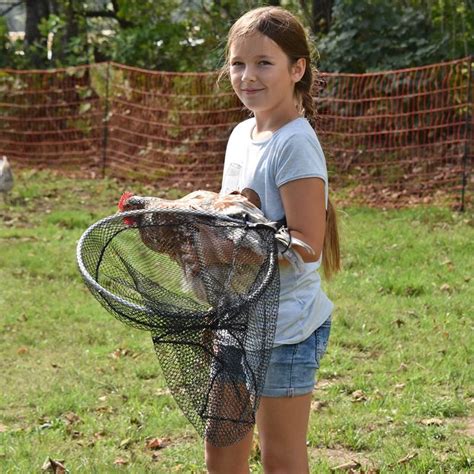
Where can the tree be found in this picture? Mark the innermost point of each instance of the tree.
(189, 35)
(36, 12)
(318, 14)
(373, 35)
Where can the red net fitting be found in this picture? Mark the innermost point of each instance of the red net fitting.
(391, 138)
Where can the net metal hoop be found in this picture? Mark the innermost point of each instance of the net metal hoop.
(121, 215)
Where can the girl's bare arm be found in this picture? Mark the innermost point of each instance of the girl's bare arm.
(305, 210)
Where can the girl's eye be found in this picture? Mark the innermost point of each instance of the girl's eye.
(236, 63)
(265, 63)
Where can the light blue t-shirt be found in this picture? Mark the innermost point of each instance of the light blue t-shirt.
(261, 167)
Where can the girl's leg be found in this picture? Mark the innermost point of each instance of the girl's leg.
(282, 427)
(229, 403)
(233, 459)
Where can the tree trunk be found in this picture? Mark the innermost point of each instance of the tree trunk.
(70, 13)
(36, 10)
(72, 24)
(319, 16)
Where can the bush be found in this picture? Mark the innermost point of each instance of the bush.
(375, 35)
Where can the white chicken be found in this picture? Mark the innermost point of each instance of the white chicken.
(6, 178)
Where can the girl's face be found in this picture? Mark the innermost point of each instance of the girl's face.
(262, 76)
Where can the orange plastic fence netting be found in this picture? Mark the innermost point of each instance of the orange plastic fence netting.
(402, 135)
(390, 137)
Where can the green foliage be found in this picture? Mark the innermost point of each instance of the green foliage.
(166, 35)
(5, 59)
(454, 19)
(13, 53)
(365, 35)
(152, 38)
(160, 47)
(374, 35)
(173, 36)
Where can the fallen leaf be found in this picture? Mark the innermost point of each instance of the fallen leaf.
(104, 409)
(399, 386)
(432, 422)
(317, 405)
(157, 443)
(118, 353)
(22, 350)
(347, 466)
(405, 459)
(358, 396)
(100, 435)
(3, 428)
(125, 443)
(120, 462)
(445, 287)
(71, 418)
(52, 465)
(103, 398)
(75, 434)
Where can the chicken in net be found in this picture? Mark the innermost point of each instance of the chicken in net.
(233, 205)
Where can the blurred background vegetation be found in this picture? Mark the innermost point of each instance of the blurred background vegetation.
(349, 35)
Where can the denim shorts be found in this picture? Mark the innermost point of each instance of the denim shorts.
(292, 369)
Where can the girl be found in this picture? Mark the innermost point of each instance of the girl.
(275, 159)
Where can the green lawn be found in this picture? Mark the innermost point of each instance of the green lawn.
(395, 391)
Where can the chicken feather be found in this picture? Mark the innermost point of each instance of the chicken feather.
(233, 205)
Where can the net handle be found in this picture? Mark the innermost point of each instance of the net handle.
(207, 215)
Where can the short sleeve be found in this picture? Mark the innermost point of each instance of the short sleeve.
(235, 151)
(301, 156)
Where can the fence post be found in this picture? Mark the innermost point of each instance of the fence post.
(105, 121)
(469, 137)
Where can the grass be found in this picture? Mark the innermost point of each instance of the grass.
(395, 388)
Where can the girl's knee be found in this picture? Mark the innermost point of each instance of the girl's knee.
(277, 461)
(226, 461)
(217, 465)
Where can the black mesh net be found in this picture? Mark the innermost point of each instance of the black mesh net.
(206, 286)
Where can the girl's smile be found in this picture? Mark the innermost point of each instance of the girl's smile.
(251, 91)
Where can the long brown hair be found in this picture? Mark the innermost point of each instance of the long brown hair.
(289, 34)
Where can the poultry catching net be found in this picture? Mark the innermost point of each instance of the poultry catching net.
(207, 288)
